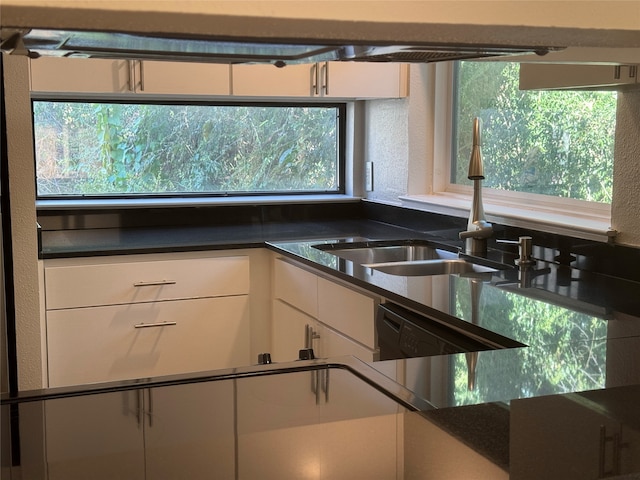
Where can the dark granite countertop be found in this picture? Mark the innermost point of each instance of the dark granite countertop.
(560, 307)
(575, 323)
(581, 329)
(125, 241)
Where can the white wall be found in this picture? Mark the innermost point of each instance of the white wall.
(23, 221)
(387, 145)
(399, 139)
(625, 207)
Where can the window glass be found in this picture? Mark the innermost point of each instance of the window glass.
(557, 143)
(116, 149)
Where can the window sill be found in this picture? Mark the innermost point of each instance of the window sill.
(115, 203)
(581, 224)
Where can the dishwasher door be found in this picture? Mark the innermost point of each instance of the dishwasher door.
(403, 333)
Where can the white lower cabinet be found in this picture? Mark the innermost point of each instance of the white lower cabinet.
(293, 330)
(139, 316)
(173, 432)
(593, 434)
(75, 451)
(325, 424)
(289, 332)
(190, 432)
(347, 311)
(117, 342)
(310, 311)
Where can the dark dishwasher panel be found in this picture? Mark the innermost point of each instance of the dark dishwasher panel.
(403, 333)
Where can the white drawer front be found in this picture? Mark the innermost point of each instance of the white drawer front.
(99, 344)
(347, 311)
(135, 282)
(297, 287)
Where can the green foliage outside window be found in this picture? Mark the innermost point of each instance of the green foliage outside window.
(557, 143)
(87, 148)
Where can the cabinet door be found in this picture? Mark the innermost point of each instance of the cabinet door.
(50, 74)
(334, 344)
(189, 431)
(364, 80)
(560, 437)
(271, 81)
(535, 76)
(347, 311)
(296, 286)
(339, 80)
(77, 284)
(353, 414)
(108, 343)
(289, 330)
(95, 436)
(184, 78)
(277, 427)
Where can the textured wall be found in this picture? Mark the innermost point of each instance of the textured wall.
(625, 207)
(23, 222)
(387, 146)
(400, 139)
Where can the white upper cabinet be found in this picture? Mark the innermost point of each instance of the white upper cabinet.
(547, 76)
(337, 80)
(50, 74)
(268, 80)
(184, 78)
(366, 80)
(331, 80)
(128, 77)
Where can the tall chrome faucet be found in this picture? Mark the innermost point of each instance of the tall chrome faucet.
(478, 229)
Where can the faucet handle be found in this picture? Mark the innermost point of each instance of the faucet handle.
(525, 248)
(478, 229)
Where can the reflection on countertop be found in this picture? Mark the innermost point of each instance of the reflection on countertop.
(574, 341)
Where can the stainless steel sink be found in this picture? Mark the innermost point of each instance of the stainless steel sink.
(429, 267)
(407, 258)
(367, 253)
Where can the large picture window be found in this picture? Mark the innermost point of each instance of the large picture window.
(556, 143)
(109, 149)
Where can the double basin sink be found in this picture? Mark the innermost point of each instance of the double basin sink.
(405, 257)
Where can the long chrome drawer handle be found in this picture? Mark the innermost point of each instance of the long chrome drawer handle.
(159, 324)
(157, 282)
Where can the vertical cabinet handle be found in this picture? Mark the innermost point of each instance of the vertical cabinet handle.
(132, 75)
(616, 453)
(320, 384)
(149, 412)
(139, 407)
(132, 65)
(325, 384)
(309, 336)
(141, 63)
(315, 80)
(325, 78)
(616, 72)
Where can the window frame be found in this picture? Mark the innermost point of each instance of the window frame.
(584, 219)
(344, 118)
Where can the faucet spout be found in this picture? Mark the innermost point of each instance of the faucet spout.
(478, 229)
